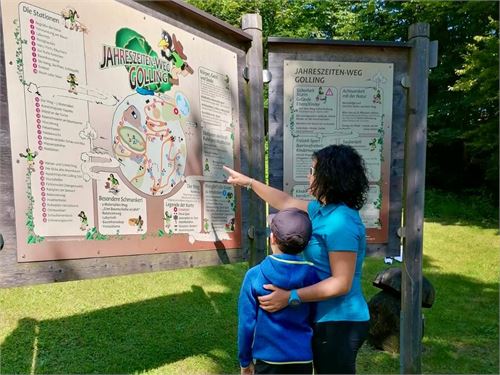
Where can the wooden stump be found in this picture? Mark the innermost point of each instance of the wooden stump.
(384, 308)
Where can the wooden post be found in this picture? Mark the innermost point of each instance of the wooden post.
(416, 140)
(254, 138)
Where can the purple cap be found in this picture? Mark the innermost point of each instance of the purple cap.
(291, 228)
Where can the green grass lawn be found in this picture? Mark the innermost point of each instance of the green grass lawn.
(461, 260)
(184, 321)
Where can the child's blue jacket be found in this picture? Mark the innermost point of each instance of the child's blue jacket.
(280, 337)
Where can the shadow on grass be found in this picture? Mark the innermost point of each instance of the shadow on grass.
(461, 328)
(452, 209)
(130, 338)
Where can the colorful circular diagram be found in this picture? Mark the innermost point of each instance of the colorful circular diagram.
(149, 143)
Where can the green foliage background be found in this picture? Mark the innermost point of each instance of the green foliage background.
(463, 89)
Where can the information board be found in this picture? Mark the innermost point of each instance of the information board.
(119, 129)
(348, 103)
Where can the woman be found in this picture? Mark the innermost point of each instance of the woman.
(337, 179)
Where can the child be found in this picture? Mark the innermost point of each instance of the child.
(278, 343)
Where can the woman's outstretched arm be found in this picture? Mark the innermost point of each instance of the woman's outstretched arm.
(276, 198)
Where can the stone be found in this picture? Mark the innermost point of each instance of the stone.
(390, 281)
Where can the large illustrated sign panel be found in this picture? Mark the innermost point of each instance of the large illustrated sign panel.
(340, 103)
(120, 125)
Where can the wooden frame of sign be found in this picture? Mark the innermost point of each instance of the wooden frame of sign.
(14, 271)
(329, 92)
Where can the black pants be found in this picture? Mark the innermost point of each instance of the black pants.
(336, 345)
(262, 367)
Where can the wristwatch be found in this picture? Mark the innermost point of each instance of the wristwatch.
(294, 299)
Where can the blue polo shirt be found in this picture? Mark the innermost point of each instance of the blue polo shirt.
(337, 227)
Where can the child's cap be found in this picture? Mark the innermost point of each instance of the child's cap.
(291, 227)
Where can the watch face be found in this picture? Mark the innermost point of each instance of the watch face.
(294, 302)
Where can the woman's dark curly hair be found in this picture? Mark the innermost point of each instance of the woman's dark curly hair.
(340, 176)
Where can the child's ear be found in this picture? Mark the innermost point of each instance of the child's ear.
(273, 240)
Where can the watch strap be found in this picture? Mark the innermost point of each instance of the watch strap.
(294, 299)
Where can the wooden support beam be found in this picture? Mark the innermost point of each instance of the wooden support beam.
(255, 137)
(414, 185)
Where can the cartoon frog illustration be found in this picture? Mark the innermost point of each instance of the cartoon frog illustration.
(30, 158)
(84, 223)
(73, 83)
